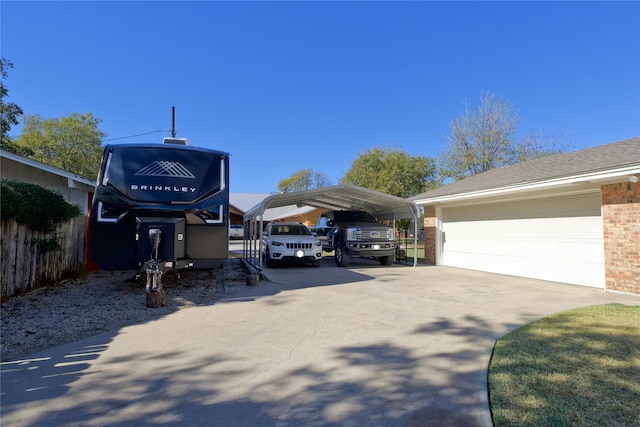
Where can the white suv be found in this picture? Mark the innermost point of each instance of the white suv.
(236, 231)
(290, 242)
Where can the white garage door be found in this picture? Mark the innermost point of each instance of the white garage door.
(558, 239)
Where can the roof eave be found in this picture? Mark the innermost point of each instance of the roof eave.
(72, 178)
(598, 177)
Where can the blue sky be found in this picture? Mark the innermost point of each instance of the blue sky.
(289, 85)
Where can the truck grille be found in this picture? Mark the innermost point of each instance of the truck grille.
(373, 234)
(299, 245)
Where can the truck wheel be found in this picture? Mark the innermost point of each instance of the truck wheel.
(341, 255)
(386, 260)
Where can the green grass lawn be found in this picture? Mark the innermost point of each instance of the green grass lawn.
(420, 254)
(575, 368)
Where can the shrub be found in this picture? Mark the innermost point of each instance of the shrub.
(32, 205)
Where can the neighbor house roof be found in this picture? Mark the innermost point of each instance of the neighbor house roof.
(287, 212)
(72, 178)
(245, 201)
(597, 164)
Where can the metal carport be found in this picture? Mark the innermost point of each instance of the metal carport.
(340, 197)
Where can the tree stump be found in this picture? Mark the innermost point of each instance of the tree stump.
(156, 299)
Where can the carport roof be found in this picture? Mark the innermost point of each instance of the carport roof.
(341, 197)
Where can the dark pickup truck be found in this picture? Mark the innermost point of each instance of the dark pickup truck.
(355, 234)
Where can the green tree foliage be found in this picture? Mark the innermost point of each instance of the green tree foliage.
(392, 171)
(72, 143)
(34, 206)
(9, 111)
(485, 139)
(303, 179)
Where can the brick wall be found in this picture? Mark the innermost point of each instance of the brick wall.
(621, 223)
(430, 235)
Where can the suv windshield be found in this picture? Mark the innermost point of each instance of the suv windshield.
(291, 230)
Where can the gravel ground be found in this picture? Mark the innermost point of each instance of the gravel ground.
(104, 301)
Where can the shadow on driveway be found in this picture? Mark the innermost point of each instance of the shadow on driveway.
(383, 346)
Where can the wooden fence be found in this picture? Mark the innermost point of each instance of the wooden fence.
(27, 261)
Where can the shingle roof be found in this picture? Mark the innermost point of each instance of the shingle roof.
(595, 159)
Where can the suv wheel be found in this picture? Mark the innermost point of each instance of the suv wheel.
(267, 259)
(341, 255)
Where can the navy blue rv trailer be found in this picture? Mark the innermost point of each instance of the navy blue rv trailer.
(161, 207)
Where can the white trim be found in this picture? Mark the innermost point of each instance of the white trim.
(223, 182)
(216, 221)
(438, 241)
(108, 220)
(105, 178)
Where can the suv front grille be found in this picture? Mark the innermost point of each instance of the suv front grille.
(299, 245)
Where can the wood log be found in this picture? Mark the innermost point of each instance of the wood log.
(156, 299)
(253, 279)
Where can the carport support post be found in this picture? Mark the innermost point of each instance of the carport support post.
(253, 250)
(415, 241)
(260, 242)
(416, 217)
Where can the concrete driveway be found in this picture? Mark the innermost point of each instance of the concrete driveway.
(363, 346)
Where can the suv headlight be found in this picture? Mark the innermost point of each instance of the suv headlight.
(277, 244)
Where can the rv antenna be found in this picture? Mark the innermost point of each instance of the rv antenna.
(173, 122)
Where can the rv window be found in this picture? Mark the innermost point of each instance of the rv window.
(164, 175)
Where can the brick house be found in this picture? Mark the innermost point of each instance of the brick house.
(571, 218)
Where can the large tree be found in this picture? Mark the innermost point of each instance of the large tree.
(392, 171)
(303, 179)
(72, 143)
(485, 139)
(9, 111)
